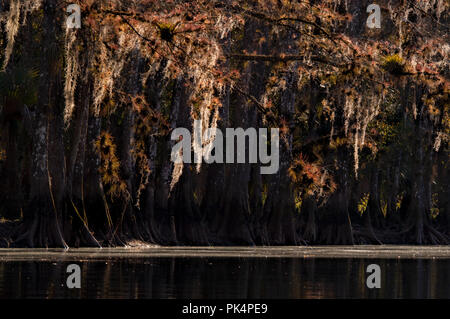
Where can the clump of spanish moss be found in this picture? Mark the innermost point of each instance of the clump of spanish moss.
(394, 64)
(167, 31)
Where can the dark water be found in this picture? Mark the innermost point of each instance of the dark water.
(217, 277)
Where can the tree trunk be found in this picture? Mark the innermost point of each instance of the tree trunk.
(41, 225)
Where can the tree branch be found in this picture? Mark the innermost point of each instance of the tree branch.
(283, 58)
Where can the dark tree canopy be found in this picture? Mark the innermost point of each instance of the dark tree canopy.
(86, 117)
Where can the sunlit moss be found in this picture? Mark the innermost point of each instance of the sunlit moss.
(394, 64)
(384, 208)
(110, 168)
(435, 206)
(363, 203)
(398, 202)
(298, 201)
(166, 31)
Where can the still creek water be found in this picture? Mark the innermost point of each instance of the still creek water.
(231, 272)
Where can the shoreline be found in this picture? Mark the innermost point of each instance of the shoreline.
(136, 252)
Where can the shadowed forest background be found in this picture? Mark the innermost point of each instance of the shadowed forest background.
(86, 117)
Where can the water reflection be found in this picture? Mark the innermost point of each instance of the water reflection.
(227, 278)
